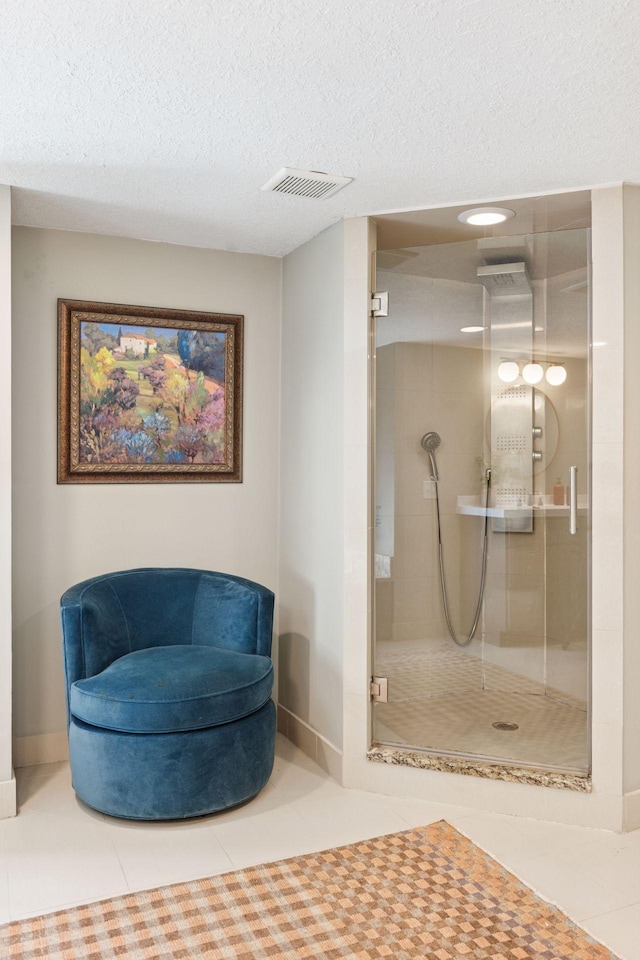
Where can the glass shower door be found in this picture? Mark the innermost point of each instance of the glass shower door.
(481, 501)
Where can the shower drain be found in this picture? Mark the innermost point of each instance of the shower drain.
(503, 725)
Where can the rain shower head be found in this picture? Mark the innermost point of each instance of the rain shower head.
(505, 279)
(430, 443)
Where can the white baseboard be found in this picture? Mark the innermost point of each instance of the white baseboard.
(43, 748)
(631, 811)
(312, 743)
(8, 803)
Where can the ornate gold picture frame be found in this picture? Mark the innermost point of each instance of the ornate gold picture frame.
(148, 395)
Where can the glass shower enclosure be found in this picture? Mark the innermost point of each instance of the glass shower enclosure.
(481, 494)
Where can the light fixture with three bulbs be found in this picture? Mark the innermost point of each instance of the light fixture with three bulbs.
(532, 372)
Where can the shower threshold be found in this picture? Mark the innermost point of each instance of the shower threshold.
(505, 770)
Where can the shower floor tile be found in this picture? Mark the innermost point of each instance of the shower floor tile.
(447, 700)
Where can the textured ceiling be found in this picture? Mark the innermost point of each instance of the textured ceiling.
(162, 118)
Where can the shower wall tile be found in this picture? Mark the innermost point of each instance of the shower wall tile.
(607, 478)
(566, 587)
(607, 752)
(384, 608)
(413, 409)
(525, 584)
(384, 595)
(386, 367)
(517, 642)
(437, 628)
(518, 554)
(607, 666)
(412, 466)
(574, 418)
(457, 367)
(567, 669)
(566, 628)
(413, 599)
(358, 653)
(409, 496)
(457, 414)
(459, 418)
(607, 601)
(411, 630)
(460, 474)
(416, 550)
(526, 659)
(411, 444)
(414, 367)
(453, 526)
(512, 612)
(385, 417)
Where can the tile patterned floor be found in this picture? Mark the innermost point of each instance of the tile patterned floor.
(57, 852)
(445, 699)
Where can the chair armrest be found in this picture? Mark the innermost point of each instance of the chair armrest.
(72, 649)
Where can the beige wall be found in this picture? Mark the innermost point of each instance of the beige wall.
(7, 781)
(63, 534)
(311, 493)
(631, 649)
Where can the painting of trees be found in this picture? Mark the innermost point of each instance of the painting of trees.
(140, 410)
(151, 397)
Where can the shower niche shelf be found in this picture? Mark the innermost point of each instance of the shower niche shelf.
(474, 507)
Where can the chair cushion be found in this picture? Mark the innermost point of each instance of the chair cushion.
(178, 687)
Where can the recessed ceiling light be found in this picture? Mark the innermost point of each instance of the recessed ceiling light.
(599, 343)
(485, 216)
(538, 329)
(472, 329)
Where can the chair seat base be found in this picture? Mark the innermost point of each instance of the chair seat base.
(172, 776)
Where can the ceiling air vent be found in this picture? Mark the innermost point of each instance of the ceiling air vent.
(305, 183)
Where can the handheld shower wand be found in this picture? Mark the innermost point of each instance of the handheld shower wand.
(430, 443)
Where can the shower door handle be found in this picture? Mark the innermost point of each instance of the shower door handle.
(573, 499)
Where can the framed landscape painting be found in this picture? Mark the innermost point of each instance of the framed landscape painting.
(148, 395)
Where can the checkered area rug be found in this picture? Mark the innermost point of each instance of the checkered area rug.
(428, 892)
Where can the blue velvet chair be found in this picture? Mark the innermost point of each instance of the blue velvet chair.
(169, 679)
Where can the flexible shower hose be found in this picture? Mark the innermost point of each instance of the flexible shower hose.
(443, 583)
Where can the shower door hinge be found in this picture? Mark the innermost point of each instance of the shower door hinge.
(378, 689)
(380, 303)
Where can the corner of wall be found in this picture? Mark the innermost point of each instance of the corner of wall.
(8, 798)
(67, 533)
(312, 493)
(312, 744)
(7, 794)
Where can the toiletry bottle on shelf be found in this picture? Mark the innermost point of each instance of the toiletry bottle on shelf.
(558, 493)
